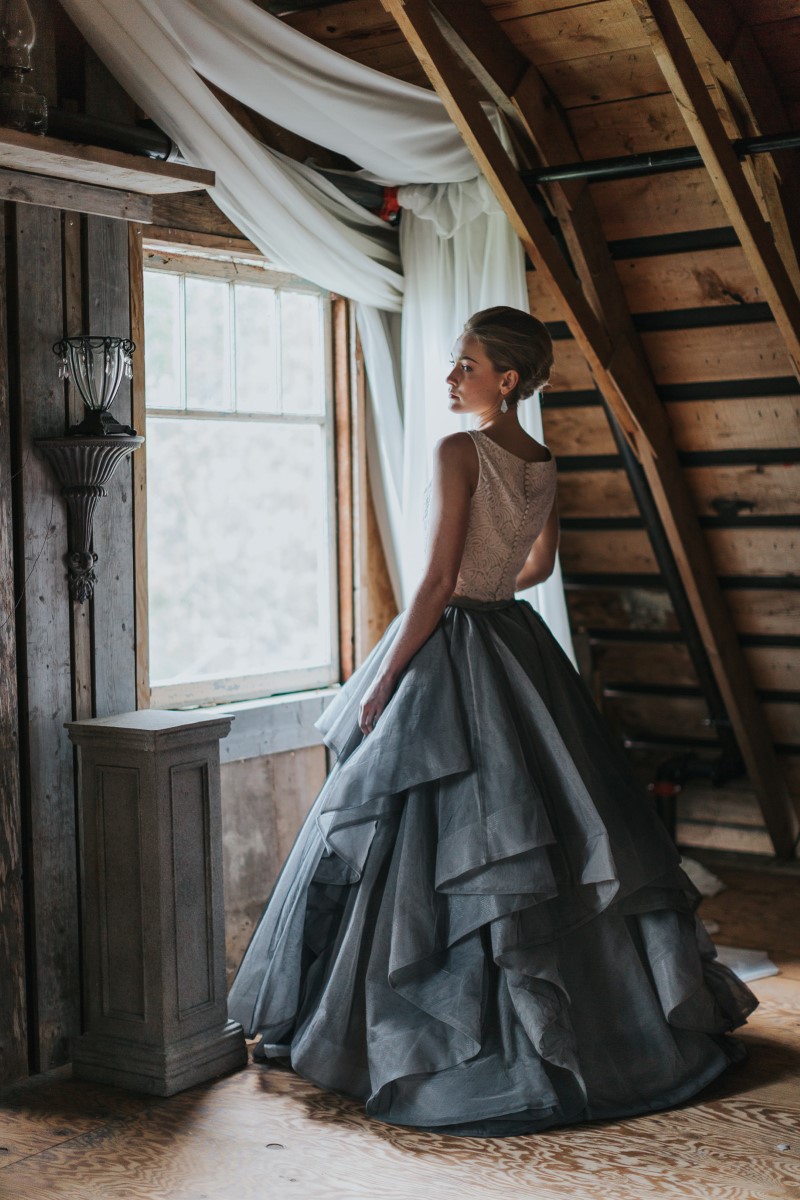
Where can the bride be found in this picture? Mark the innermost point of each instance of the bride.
(483, 928)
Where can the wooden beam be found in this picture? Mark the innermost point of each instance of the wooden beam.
(726, 43)
(25, 188)
(139, 468)
(343, 435)
(13, 1026)
(614, 356)
(702, 120)
(97, 165)
(80, 612)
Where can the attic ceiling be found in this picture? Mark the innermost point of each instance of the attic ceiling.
(693, 305)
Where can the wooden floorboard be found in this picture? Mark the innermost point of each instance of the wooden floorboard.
(264, 1133)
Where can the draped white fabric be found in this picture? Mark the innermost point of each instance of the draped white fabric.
(459, 253)
(292, 213)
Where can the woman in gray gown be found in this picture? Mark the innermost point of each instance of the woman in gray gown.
(483, 927)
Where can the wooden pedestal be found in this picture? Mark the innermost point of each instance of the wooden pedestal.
(153, 918)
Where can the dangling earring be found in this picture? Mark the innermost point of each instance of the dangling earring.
(503, 405)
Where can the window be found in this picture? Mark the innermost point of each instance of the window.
(240, 500)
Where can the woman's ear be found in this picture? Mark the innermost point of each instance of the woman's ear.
(509, 381)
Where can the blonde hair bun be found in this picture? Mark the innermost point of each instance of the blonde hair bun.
(513, 340)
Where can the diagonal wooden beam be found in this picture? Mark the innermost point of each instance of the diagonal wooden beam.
(725, 42)
(703, 122)
(616, 363)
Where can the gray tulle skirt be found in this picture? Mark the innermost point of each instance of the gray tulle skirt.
(483, 927)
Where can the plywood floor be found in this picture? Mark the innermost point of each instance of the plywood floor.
(268, 1135)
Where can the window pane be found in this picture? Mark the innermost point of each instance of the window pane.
(208, 363)
(303, 386)
(256, 350)
(237, 547)
(162, 329)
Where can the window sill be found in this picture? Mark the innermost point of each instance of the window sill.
(274, 724)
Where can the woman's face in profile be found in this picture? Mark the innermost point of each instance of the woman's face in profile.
(474, 386)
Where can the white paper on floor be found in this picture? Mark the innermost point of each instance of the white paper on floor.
(747, 964)
(704, 880)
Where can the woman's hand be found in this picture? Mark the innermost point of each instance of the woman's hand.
(374, 702)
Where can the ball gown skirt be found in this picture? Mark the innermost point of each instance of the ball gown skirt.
(483, 927)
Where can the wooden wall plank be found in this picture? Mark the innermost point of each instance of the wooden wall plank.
(697, 835)
(576, 32)
(768, 489)
(779, 42)
(279, 788)
(346, 486)
(760, 552)
(763, 422)
(690, 356)
(595, 494)
(629, 126)
(570, 370)
(773, 668)
(193, 211)
(699, 279)
(765, 489)
(139, 470)
(636, 715)
(664, 282)
(621, 608)
(80, 614)
(759, 423)
(578, 430)
(729, 803)
(45, 660)
(724, 352)
(739, 552)
(603, 78)
(607, 551)
(658, 204)
(13, 1014)
(107, 300)
(768, 612)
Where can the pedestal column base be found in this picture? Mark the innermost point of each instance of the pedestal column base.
(159, 1071)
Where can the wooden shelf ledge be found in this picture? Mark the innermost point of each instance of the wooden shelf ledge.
(97, 166)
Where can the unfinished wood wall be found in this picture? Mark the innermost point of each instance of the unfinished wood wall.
(721, 370)
(64, 273)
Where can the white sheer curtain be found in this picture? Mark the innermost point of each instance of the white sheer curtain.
(459, 251)
(459, 255)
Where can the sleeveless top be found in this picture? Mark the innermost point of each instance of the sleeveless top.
(509, 508)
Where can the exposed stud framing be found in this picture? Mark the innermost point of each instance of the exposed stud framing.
(612, 353)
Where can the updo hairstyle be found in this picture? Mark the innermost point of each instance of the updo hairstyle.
(513, 340)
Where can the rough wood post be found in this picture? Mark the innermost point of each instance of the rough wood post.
(153, 915)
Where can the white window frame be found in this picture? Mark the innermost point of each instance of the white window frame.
(225, 265)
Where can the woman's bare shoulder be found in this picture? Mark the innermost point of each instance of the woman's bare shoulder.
(455, 454)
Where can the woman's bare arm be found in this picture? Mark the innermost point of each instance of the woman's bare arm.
(539, 564)
(455, 477)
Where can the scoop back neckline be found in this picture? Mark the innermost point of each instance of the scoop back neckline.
(529, 462)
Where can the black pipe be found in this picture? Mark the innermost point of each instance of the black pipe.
(146, 140)
(655, 162)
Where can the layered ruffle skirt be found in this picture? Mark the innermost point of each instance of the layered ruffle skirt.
(483, 926)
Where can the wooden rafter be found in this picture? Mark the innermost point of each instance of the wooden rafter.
(612, 352)
(726, 43)
(703, 122)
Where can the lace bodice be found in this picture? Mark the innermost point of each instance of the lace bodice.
(509, 508)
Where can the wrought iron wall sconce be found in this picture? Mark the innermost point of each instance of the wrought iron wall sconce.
(85, 460)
